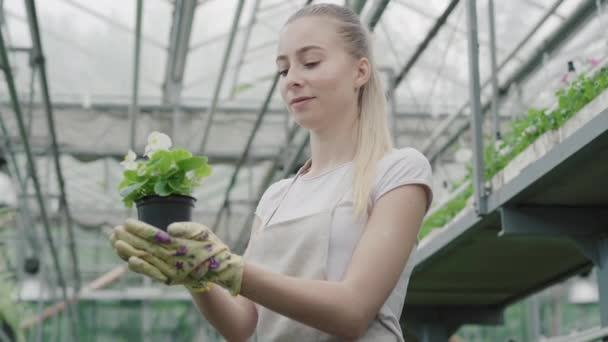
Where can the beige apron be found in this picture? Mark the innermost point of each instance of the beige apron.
(299, 248)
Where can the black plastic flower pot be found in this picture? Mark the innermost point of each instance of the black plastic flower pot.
(162, 211)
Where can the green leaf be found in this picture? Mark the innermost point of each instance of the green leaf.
(132, 188)
(165, 165)
(176, 182)
(162, 188)
(192, 163)
(203, 172)
(160, 154)
(180, 154)
(131, 175)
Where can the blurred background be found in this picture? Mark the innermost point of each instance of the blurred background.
(90, 79)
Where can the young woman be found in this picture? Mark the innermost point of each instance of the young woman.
(329, 256)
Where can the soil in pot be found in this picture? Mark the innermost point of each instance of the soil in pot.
(162, 211)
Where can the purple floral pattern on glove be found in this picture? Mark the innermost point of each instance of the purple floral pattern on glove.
(213, 264)
(162, 237)
(179, 265)
(181, 251)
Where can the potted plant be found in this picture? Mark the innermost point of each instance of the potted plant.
(161, 185)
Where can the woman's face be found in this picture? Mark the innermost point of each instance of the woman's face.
(318, 77)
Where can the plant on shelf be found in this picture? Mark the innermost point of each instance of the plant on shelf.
(522, 133)
(161, 184)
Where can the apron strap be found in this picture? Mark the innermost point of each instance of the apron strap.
(342, 189)
(276, 207)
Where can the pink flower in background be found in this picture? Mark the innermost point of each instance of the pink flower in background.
(594, 62)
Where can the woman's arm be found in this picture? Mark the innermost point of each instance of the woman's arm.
(345, 308)
(235, 318)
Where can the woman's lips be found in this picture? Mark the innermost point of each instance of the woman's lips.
(300, 102)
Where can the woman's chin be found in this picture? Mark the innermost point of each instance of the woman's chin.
(305, 120)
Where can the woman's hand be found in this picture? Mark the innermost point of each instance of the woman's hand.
(188, 253)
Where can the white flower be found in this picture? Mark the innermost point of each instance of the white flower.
(157, 141)
(129, 162)
(505, 151)
(530, 130)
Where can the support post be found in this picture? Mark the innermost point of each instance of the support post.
(134, 109)
(220, 80)
(602, 280)
(585, 226)
(12, 89)
(476, 118)
(494, 77)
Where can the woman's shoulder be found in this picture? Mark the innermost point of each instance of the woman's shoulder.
(401, 167)
(406, 157)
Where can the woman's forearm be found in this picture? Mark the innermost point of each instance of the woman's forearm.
(234, 318)
(328, 306)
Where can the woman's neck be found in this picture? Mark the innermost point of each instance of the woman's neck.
(333, 147)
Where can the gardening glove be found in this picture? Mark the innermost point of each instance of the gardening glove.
(224, 268)
(154, 253)
(142, 262)
(188, 253)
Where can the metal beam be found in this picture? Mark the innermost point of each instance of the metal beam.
(97, 284)
(122, 110)
(243, 51)
(553, 221)
(357, 5)
(245, 152)
(415, 7)
(582, 13)
(476, 117)
(429, 37)
(220, 80)
(267, 181)
(112, 22)
(377, 12)
(602, 280)
(585, 226)
(32, 167)
(133, 111)
(223, 36)
(494, 70)
(38, 62)
(448, 122)
(179, 39)
(90, 154)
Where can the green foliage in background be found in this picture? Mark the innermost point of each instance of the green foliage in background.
(6, 216)
(521, 134)
(166, 173)
(125, 321)
(11, 312)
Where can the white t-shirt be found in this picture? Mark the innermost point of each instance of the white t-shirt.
(310, 195)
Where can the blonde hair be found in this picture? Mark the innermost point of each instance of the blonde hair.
(374, 137)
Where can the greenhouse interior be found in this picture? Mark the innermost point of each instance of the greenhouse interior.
(507, 99)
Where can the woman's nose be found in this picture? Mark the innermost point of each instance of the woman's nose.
(293, 78)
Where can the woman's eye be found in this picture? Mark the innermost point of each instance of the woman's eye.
(311, 65)
(283, 73)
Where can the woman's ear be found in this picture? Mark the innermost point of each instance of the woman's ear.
(363, 72)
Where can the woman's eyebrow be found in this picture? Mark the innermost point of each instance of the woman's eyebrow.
(300, 51)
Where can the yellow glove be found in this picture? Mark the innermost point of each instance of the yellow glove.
(188, 253)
